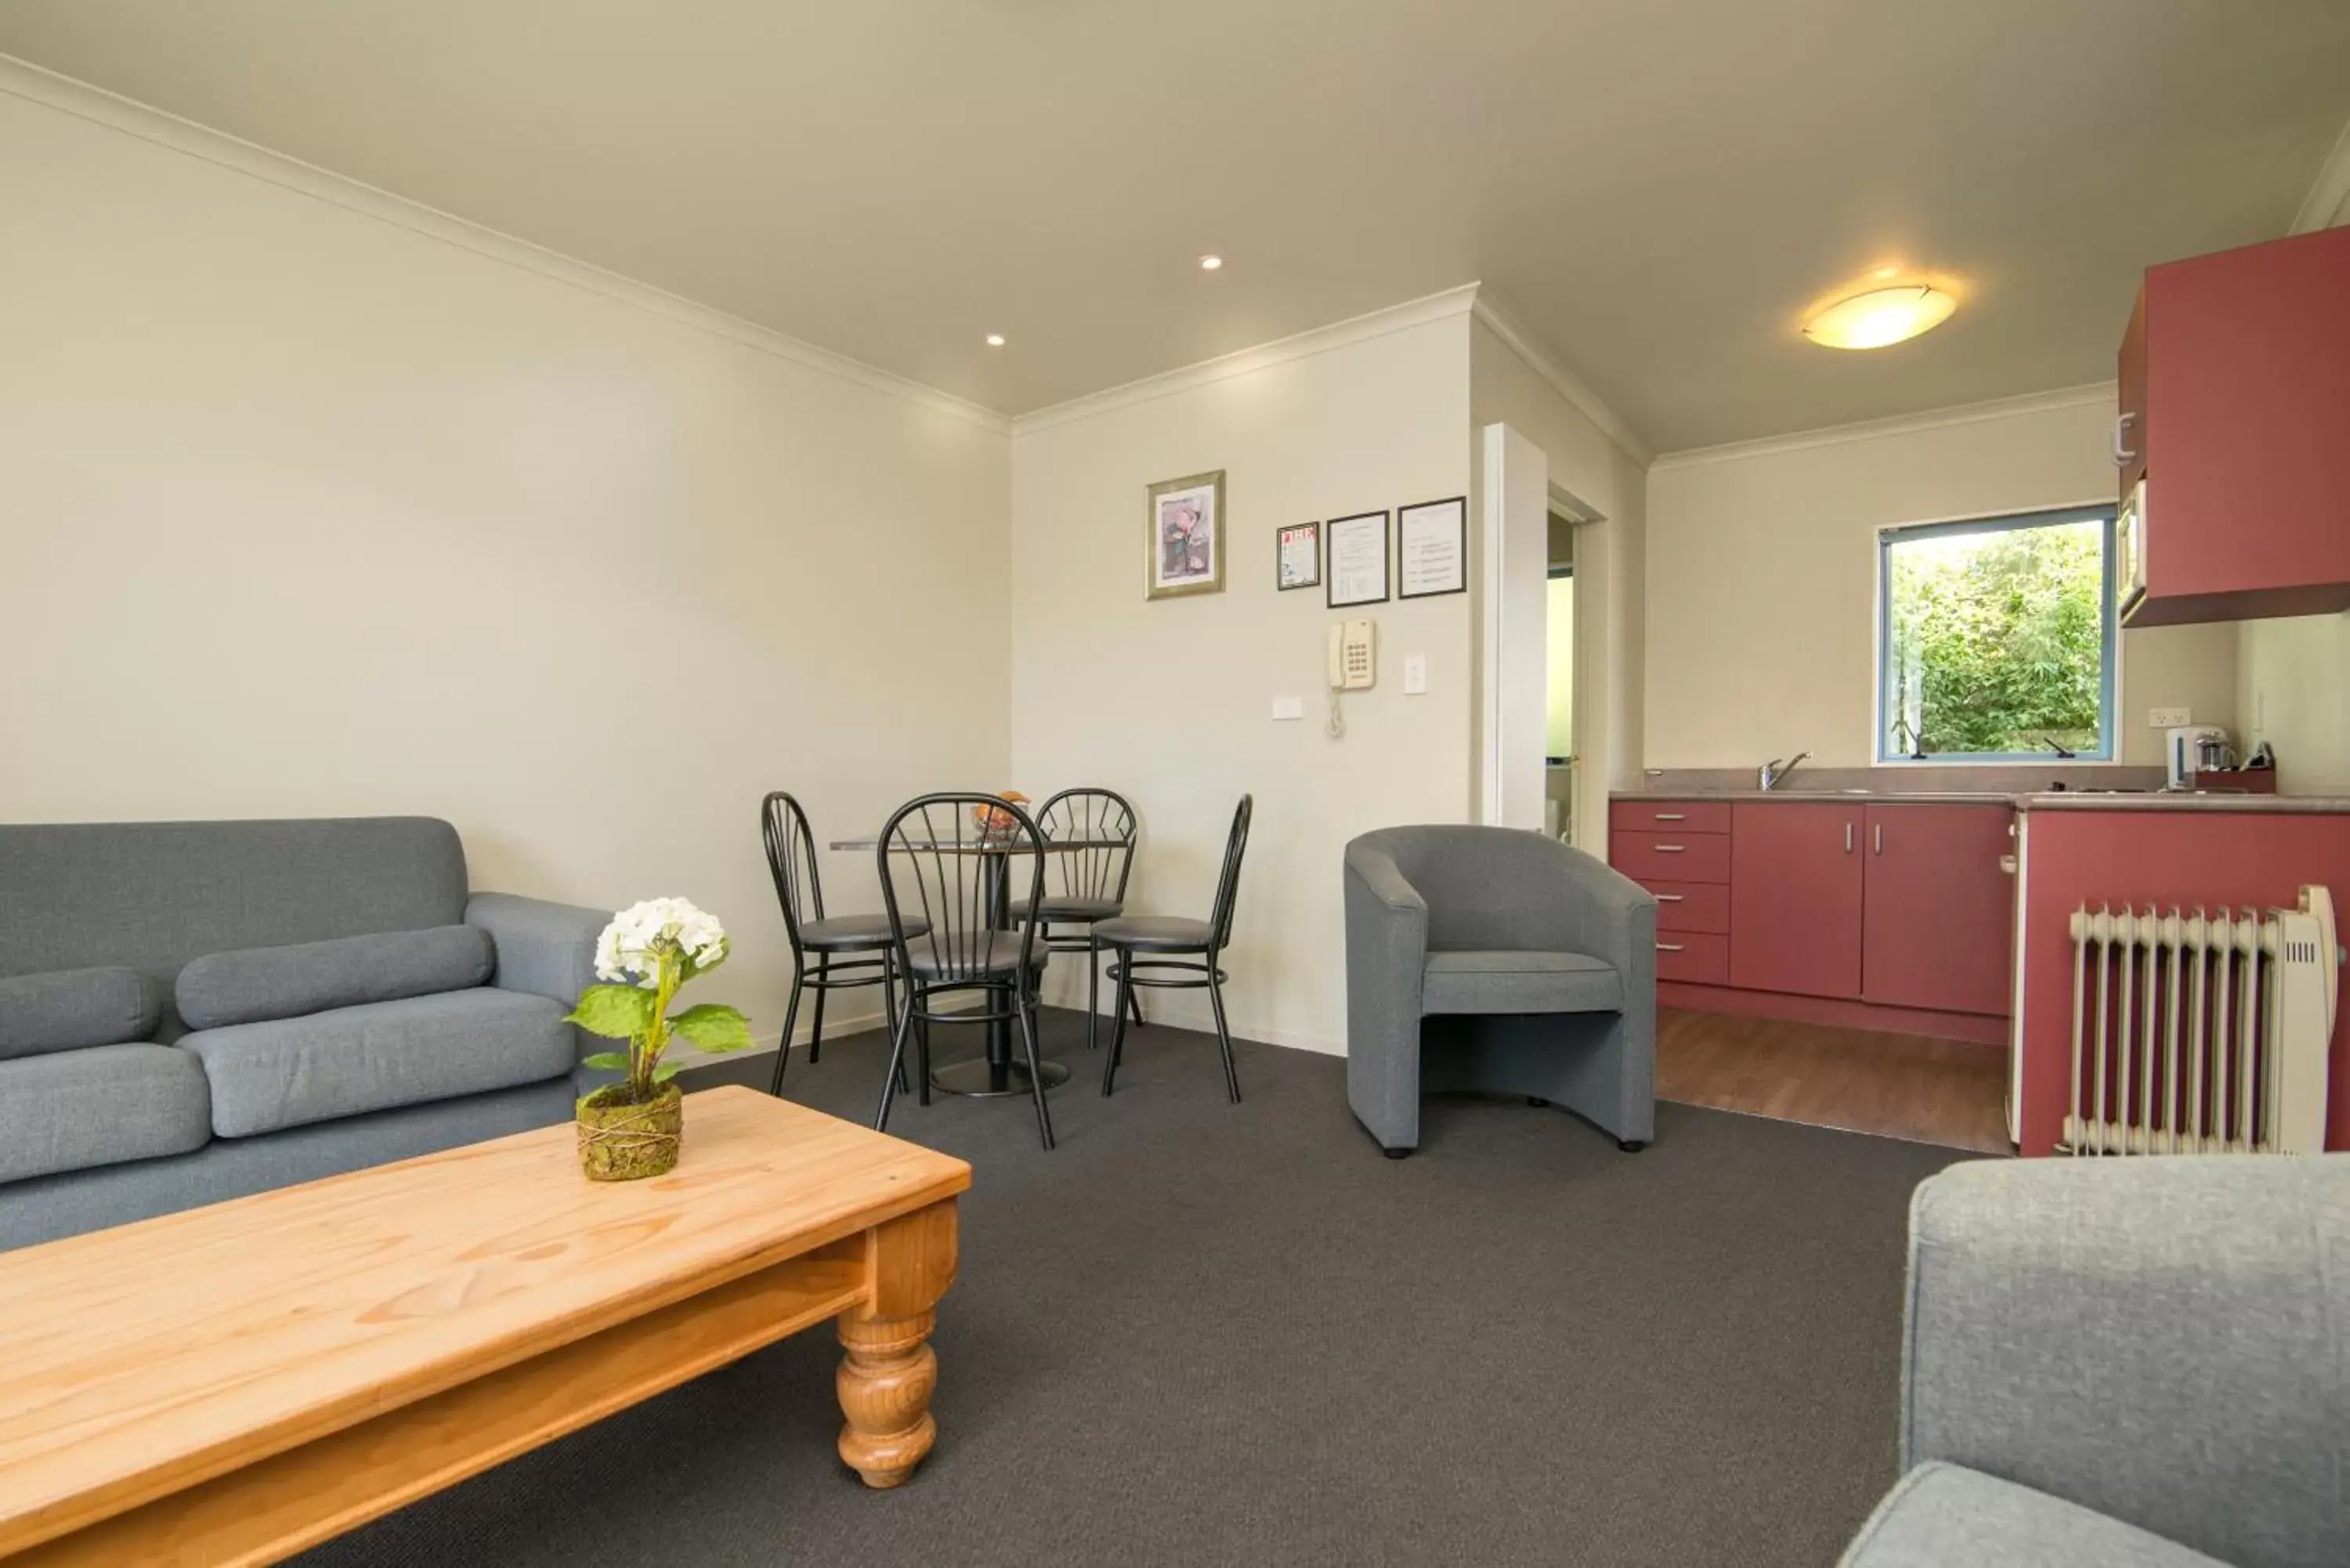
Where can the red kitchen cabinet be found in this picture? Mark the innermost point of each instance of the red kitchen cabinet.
(2235, 376)
(1938, 908)
(1796, 889)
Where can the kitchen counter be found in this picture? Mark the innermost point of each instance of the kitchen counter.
(2037, 800)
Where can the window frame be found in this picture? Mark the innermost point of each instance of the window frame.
(2109, 695)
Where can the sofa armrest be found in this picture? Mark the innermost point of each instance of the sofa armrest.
(544, 949)
(2163, 1340)
(1611, 916)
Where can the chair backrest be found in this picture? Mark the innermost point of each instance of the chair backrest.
(973, 866)
(1228, 883)
(791, 860)
(1103, 817)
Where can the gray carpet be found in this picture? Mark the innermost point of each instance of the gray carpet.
(1198, 1333)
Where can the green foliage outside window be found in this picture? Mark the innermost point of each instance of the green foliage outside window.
(1997, 641)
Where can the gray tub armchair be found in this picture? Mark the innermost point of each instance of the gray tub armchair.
(1533, 965)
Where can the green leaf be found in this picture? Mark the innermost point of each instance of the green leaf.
(714, 1027)
(667, 1070)
(615, 1012)
(610, 1061)
(692, 967)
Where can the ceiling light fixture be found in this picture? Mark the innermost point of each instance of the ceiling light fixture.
(1210, 262)
(995, 340)
(1881, 317)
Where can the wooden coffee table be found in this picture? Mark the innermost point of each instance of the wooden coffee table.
(233, 1384)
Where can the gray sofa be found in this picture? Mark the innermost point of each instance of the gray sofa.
(2139, 1361)
(1494, 959)
(194, 1010)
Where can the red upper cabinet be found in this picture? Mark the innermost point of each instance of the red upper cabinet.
(2236, 374)
(1940, 908)
(1796, 898)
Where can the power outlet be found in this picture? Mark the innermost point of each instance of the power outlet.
(2168, 718)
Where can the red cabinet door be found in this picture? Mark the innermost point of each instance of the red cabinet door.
(1938, 909)
(1795, 882)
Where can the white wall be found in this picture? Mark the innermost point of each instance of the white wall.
(306, 511)
(1762, 566)
(1600, 473)
(2293, 690)
(1169, 701)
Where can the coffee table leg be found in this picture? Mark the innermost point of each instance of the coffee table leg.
(888, 1370)
(885, 1381)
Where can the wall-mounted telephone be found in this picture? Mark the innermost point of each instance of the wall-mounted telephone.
(1354, 655)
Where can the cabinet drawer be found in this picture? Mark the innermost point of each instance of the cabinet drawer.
(1699, 957)
(1669, 815)
(1692, 906)
(1648, 856)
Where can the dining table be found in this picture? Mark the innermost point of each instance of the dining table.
(998, 1070)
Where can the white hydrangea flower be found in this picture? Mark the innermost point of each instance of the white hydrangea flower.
(624, 953)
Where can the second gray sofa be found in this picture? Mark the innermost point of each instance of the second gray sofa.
(194, 1010)
(1491, 959)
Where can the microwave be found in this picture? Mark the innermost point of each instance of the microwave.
(2129, 546)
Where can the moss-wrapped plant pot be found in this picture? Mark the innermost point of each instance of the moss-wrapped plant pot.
(621, 1140)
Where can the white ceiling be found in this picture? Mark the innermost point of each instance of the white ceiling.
(1655, 188)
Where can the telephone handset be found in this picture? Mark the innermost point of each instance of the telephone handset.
(1354, 659)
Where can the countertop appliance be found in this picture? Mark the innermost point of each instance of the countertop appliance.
(2192, 749)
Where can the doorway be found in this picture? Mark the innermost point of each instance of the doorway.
(1558, 747)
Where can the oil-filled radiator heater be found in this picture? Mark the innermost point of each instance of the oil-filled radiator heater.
(2202, 1033)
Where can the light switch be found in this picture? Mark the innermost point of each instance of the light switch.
(1289, 708)
(2168, 718)
(1415, 675)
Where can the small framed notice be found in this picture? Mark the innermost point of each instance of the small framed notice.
(1358, 560)
(1298, 556)
(1432, 549)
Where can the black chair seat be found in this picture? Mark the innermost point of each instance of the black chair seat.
(845, 934)
(1055, 907)
(1155, 933)
(968, 964)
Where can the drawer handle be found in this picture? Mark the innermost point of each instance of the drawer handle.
(1672, 816)
(1671, 848)
(1669, 947)
(1670, 898)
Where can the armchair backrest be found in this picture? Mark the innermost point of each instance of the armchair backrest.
(1490, 888)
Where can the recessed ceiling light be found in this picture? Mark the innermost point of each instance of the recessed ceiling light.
(1210, 262)
(1881, 317)
(995, 340)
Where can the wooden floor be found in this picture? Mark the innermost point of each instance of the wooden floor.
(1950, 1092)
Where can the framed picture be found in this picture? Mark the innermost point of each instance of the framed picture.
(1297, 556)
(1358, 560)
(1432, 549)
(1185, 547)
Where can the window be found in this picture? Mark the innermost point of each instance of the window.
(1995, 639)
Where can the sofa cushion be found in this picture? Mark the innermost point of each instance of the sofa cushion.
(257, 985)
(1489, 980)
(69, 1110)
(1946, 1516)
(65, 1009)
(290, 1070)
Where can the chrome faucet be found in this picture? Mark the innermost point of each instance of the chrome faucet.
(1770, 773)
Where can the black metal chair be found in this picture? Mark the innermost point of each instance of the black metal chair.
(1087, 884)
(1179, 953)
(856, 946)
(962, 875)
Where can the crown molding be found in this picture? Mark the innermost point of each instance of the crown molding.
(2328, 202)
(1562, 380)
(21, 78)
(1401, 317)
(1900, 424)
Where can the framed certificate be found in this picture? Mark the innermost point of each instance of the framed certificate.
(1432, 549)
(1357, 572)
(1297, 549)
